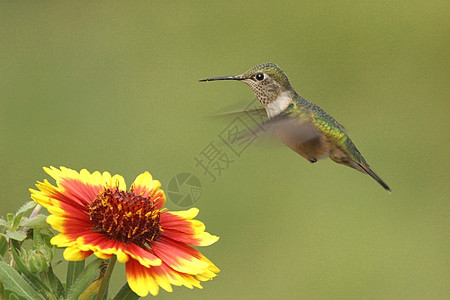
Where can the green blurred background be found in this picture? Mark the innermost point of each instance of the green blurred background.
(113, 86)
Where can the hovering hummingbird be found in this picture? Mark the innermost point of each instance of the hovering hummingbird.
(301, 125)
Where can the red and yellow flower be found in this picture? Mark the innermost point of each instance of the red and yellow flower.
(94, 214)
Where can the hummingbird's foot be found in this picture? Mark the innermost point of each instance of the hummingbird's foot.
(312, 159)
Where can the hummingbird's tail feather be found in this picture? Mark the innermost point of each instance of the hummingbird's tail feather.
(374, 175)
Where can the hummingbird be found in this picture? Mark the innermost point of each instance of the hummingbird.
(300, 124)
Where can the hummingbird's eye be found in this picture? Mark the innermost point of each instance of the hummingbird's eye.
(259, 76)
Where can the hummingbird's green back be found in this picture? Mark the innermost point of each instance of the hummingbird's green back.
(328, 126)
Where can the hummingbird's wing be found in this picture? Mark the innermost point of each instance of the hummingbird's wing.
(256, 109)
(292, 124)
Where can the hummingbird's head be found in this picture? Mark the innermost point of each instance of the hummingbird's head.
(267, 81)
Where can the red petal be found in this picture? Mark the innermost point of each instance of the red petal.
(79, 192)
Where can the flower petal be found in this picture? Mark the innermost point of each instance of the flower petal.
(144, 185)
(75, 254)
(140, 280)
(186, 214)
(74, 226)
(179, 226)
(202, 239)
(180, 257)
(144, 280)
(100, 245)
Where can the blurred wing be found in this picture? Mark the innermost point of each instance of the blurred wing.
(257, 110)
(291, 126)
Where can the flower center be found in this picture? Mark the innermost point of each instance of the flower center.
(125, 217)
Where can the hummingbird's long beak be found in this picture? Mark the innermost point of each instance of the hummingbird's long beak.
(237, 77)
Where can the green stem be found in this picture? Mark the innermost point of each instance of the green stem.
(106, 278)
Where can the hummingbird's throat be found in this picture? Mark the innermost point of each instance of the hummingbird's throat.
(265, 93)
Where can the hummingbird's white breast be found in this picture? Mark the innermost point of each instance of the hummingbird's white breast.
(275, 107)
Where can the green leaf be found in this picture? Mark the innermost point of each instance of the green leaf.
(91, 290)
(89, 274)
(32, 277)
(55, 283)
(16, 235)
(3, 245)
(18, 217)
(74, 270)
(19, 263)
(2, 291)
(37, 238)
(36, 222)
(26, 207)
(10, 218)
(16, 284)
(4, 223)
(126, 293)
(11, 296)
